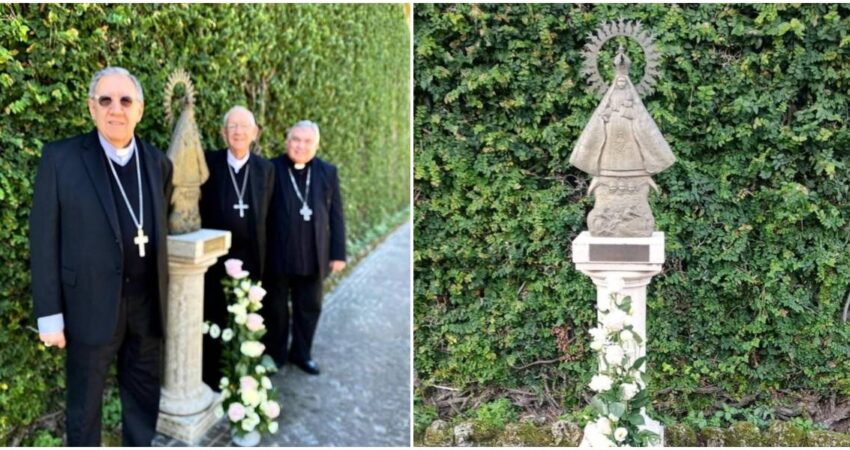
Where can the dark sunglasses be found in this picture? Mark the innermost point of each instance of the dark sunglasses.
(105, 101)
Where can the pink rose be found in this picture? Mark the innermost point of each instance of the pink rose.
(233, 267)
(256, 293)
(248, 383)
(254, 322)
(236, 412)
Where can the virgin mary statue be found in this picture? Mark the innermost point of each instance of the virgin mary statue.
(621, 139)
(622, 148)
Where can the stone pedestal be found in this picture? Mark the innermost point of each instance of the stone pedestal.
(187, 406)
(636, 261)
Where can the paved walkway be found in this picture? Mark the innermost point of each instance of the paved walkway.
(362, 345)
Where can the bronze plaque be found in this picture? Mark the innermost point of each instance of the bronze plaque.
(214, 245)
(619, 253)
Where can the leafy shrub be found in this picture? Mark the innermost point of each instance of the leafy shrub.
(753, 100)
(344, 66)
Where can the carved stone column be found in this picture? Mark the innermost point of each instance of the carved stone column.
(187, 406)
(636, 261)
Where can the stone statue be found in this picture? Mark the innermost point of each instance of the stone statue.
(185, 151)
(621, 146)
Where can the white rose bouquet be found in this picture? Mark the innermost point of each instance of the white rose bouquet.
(248, 397)
(621, 395)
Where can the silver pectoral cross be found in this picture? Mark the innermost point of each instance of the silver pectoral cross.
(306, 212)
(141, 240)
(241, 207)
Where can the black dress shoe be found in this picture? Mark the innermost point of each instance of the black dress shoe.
(308, 366)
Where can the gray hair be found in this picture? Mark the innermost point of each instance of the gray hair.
(304, 124)
(115, 71)
(233, 110)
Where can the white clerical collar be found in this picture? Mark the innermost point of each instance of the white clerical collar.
(121, 156)
(237, 163)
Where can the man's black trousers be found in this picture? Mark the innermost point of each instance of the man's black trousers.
(139, 351)
(305, 292)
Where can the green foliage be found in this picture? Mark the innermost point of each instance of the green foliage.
(494, 415)
(423, 415)
(344, 66)
(753, 101)
(44, 438)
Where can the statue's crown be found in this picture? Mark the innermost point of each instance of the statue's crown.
(622, 63)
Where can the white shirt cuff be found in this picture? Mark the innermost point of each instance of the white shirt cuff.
(51, 324)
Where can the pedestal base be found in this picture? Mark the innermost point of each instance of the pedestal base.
(189, 429)
(633, 260)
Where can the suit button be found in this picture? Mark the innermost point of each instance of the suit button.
(126, 279)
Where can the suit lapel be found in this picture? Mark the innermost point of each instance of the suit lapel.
(154, 178)
(316, 188)
(93, 159)
(255, 181)
(222, 173)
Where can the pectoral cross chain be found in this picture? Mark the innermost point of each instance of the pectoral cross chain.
(141, 240)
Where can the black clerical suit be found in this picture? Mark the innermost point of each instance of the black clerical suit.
(248, 238)
(86, 266)
(299, 254)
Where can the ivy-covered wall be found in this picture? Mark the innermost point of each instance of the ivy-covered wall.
(346, 67)
(754, 101)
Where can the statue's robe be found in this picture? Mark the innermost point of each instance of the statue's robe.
(629, 132)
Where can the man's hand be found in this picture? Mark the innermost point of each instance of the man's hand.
(56, 339)
(336, 266)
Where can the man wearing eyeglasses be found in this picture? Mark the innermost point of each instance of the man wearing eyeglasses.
(236, 198)
(98, 259)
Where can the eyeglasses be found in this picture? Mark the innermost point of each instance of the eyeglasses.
(236, 126)
(105, 101)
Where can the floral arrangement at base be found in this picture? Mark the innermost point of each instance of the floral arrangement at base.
(621, 397)
(248, 397)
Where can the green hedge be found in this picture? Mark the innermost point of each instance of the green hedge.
(753, 100)
(344, 66)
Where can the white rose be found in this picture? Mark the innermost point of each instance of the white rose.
(252, 349)
(629, 391)
(241, 319)
(266, 382)
(237, 309)
(600, 383)
(227, 335)
(614, 283)
(246, 285)
(251, 397)
(215, 331)
(260, 370)
(205, 328)
(223, 383)
(620, 434)
(273, 427)
(614, 320)
(603, 425)
(596, 345)
(614, 355)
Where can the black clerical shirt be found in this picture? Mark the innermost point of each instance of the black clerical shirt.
(241, 241)
(300, 243)
(139, 272)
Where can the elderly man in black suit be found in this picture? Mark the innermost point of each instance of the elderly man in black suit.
(99, 264)
(236, 197)
(306, 244)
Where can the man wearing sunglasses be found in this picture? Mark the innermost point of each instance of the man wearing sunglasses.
(99, 263)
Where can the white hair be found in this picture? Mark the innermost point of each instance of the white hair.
(115, 71)
(304, 124)
(233, 110)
